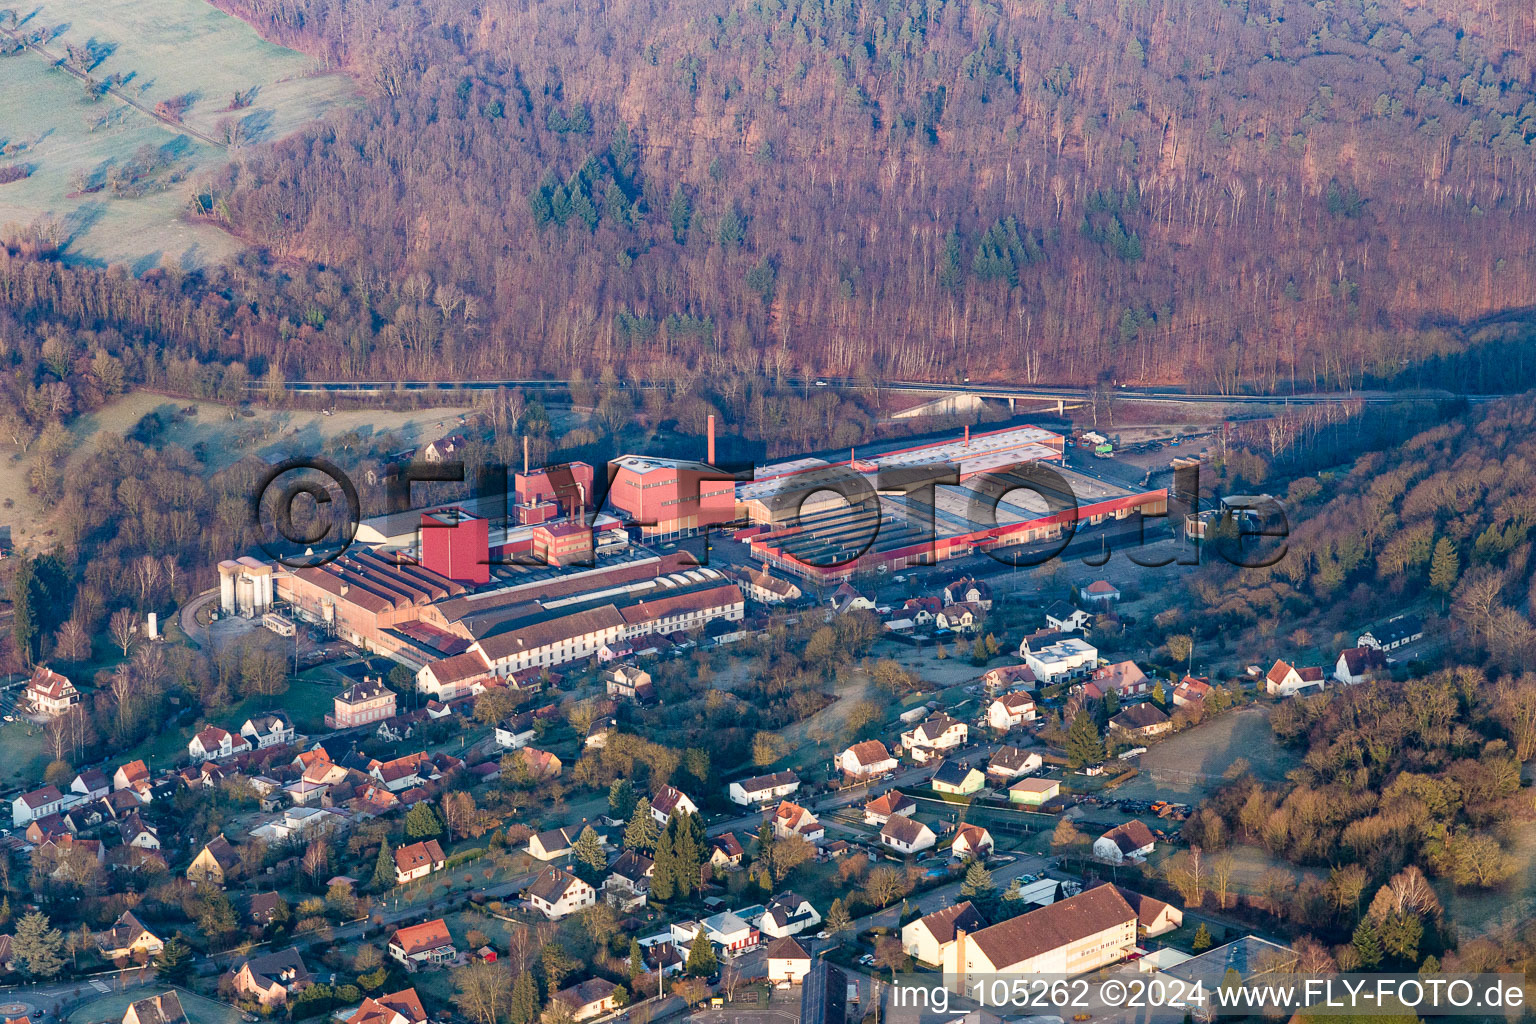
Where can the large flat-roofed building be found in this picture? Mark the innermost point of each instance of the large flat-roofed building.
(553, 492)
(831, 520)
(1072, 936)
(668, 497)
(456, 544)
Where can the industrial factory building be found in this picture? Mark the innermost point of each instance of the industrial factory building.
(827, 520)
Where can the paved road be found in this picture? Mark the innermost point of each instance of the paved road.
(186, 617)
(1028, 392)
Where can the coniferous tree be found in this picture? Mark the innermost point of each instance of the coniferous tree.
(641, 833)
(701, 956)
(174, 962)
(1444, 566)
(588, 850)
(1084, 744)
(37, 947)
(524, 1007)
(384, 875)
(1367, 945)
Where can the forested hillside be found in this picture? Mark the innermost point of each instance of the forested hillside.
(1158, 190)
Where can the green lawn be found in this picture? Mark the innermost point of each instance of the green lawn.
(306, 704)
(25, 753)
(110, 1007)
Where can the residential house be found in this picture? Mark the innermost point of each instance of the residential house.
(846, 599)
(362, 703)
(137, 834)
(790, 819)
(133, 777)
(1285, 680)
(49, 694)
(1010, 711)
(1063, 617)
(516, 732)
(1011, 763)
(906, 835)
(958, 618)
(1034, 792)
(1062, 660)
(418, 860)
(1041, 639)
(445, 449)
(764, 588)
(556, 842)
(1142, 720)
(541, 764)
(164, 1008)
(271, 978)
(1007, 677)
(423, 945)
(266, 908)
(968, 590)
(972, 842)
(760, 789)
(128, 939)
(1127, 843)
(403, 773)
(726, 853)
(1398, 631)
(215, 864)
(629, 879)
(788, 914)
(591, 998)
(269, 730)
(882, 808)
(39, 803)
(866, 760)
(1073, 936)
(403, 1007)
(1191, 690)
(214, 744)
(957, 779)
(1123, 678)
(730, 932)
(788, 962)
(670, 800)
(1099, 594)
(626, 683)
(1359, 665)
(934, 736)
(91, 784)
(926, 938)
(558, 893)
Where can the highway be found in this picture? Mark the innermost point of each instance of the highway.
(1022, 392)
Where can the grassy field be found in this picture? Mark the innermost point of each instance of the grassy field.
(110, 1007)
(25, 753)
(163, 50)
(1209, 749)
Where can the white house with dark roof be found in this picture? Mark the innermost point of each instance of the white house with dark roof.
(906, 835)
(214, 744)
(268, 730)
(788, 914)
(1128, 843)
(933, 736)
(1359, 665)
(926, 938)
(761, 789)
(39, 803)
(1010, 711)
(558, 893)
(670, 800)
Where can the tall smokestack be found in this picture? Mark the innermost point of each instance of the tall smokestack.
(967, 435)
(525, 455)
(711, 457)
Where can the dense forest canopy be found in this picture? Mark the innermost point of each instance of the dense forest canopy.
(1272, 193)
